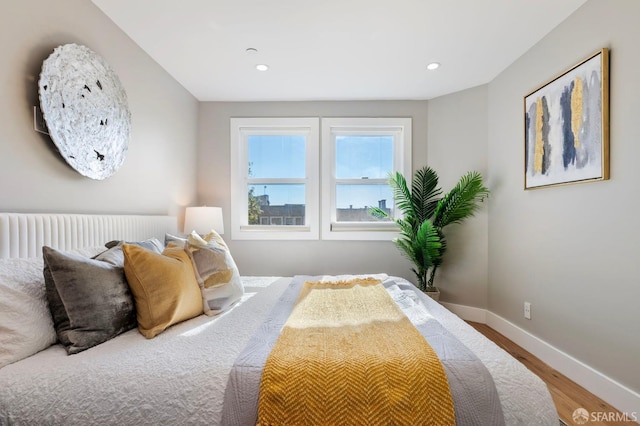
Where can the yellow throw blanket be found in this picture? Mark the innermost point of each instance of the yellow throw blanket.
(349, 356)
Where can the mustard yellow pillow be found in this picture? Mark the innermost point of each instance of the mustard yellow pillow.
(164, 287)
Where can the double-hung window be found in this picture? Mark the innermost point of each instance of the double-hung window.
(274, 178)
(358, 154)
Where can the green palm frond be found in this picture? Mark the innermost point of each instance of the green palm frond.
(423, 249)
(462, 201)
(424, 193)
(405, 241)
(401, 194)
(378, 213)
(427, 243)
(407, 249)
(437, 261)
(406, 227)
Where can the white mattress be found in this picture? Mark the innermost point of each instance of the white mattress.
(179, 377)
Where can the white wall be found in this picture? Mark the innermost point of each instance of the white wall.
(298, 257)
(571, 251)
(158, 176)
(457, 144)
(458, 149)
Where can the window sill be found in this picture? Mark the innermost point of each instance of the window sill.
(360, 231)
(274, 232)
(364, 227)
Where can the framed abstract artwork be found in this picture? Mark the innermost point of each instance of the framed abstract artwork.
(567, 126)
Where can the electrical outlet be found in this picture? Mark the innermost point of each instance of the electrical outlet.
(527, 310)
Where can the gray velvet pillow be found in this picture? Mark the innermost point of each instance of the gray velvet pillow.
(89, 299)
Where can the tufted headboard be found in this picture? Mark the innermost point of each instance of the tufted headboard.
(24, 234)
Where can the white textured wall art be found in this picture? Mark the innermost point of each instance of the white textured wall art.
(86, 110)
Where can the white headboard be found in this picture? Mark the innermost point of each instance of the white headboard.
(24, 234)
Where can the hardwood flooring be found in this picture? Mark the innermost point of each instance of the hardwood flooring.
(567, 395)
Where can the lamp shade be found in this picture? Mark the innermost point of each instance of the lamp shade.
(203, 219)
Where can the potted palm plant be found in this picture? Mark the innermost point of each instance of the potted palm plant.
(426, 213)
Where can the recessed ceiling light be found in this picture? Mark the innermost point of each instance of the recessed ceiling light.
(433, 66)
(262, 67)
(251, 50)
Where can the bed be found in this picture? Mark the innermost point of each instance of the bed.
(184, 375)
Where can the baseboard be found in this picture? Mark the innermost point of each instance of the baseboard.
(616, 394)
(467, 313)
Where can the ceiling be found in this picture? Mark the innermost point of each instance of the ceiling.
(334, 50)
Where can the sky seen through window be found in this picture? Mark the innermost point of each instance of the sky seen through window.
(357, 157)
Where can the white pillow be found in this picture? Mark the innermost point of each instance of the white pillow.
(89, 251)
(216, 272)
(26, 326)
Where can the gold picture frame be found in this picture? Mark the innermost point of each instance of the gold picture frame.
(566, 125)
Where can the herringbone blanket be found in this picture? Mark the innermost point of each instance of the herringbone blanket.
(475, 398)
(348, 355)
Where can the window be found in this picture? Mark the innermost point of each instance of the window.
(274, 178)
(357, 156)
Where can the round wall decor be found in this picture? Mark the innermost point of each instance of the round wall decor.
(86, 111)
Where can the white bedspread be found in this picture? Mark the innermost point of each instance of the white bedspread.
(178, 378)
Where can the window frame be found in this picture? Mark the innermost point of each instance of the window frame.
(240, 129)
(400, 127)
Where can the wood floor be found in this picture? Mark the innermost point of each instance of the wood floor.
(567, 395)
